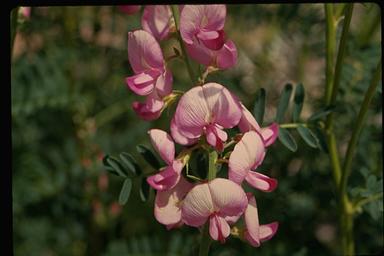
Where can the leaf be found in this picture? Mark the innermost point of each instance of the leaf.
(259, 107)
(321, 139)
(308, 136)
(322, 113)
(131, 163)
(148, 156)
(144, 190)
(115, 165)
(125, 191)
(287, 140)
(108, 167)
(283, 103)
(298, 101)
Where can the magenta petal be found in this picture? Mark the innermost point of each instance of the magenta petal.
(163, 144)
(167, 204)
(247, 152)
(215, 43)
(200, 53)
(179, 138)
(218, 228)
(144, 52)
(227, 55)
(167, 178)
(215, 136)
(261, 182)
(156, 19)
(270, 134)
(164, 83)
(267, 231)
(141, 84)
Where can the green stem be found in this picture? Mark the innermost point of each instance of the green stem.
(330, 36)
(212, 165)
(175, 13)
(367, 200)
(292, 125)
(358, 125)
(205, 241)
(14, 14)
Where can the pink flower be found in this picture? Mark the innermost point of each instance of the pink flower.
(248, 123)
(157, 20)
(214, 201)
(25, 12)
(254, 232)
(201, 27)
(247, 155)
(151, 109)
(205, 110)
(129, 9)
(170, 176)
(168, 204)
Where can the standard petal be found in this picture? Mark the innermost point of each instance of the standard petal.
(197, 206)
(144, 52)
(141, 84)
(157, 19)
(247, 152)
(167, 204)
(261, 182)
(192, 113)
(227, 55)
(218, 228)
(179, 138)
(163, 144)
(224, 109)
(228, 198)
(267, 231)
(270, 134)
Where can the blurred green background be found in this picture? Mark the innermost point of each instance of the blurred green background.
(70, 107)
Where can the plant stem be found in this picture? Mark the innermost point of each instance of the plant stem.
(212, 165)
(358, 127)
(205, 241)
(367, 200)
(292, 125)
(330, 50)
(175, 13)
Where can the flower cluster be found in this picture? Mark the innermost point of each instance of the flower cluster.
(201, 121)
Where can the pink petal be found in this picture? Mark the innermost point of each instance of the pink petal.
(261, 182)
(270, 134)
(247, 152)
(207, 35)
(232, 219)
(129, 9)
(164, 83)
(223, 108)
(167, 178)
(214, 43)
(215, 136)
(228, 198)
(149, 110)
(167, 204)
(218, 228)
(156, 19)
(163, 144)
(197, 206)
(144, 52)
(179, 138)
(141, 84)
(251, 217)
(247, 121)
(227, 55)
(200, 53)
(268, 231)
(192, 113)
(193, 18)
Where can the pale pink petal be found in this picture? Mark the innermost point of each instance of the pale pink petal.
(167, 178)
(227, 55)
(141, 84)
(144, 52)
(223, 107)
(207, 35)
(200, 53)
(192, 113)
(149, 110)
(270, 134)
(261, 182)
(251, 218)
(213, 43)
(156, 19)
(218, 228)
(129, 9)
(247, 152)
(232, 219)
(179, 138)
(164, 83)
(197, 206)
(163, 144)
(267, 231)
(247, 121)
(167, 204)
(228, 198)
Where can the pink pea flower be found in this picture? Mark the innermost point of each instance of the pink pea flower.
(165, 146)
(247, 155)
(168, 204)
(254, 232)
(215, 201)
(157, 20)
(129, 9)
(206, 109)
(248, 123)
(201, 27)
(151, 109)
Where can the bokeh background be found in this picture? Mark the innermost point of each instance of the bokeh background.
(70, 107)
